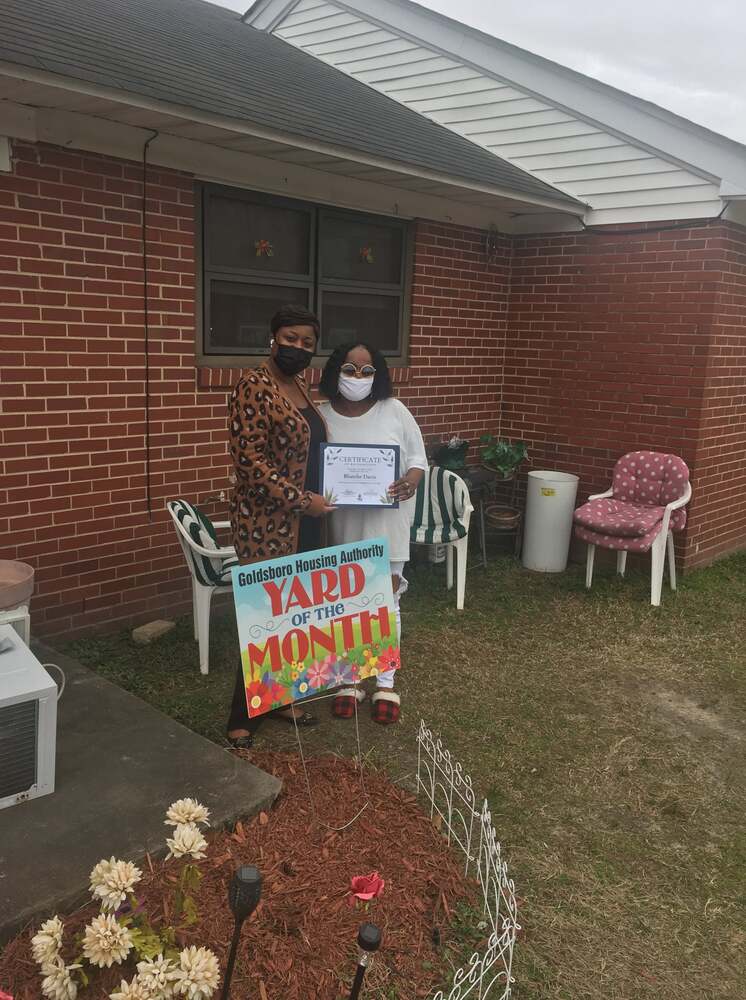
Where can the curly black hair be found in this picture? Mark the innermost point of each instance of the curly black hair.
(292, 315)
(329, 384)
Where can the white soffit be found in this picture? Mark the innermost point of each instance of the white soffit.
(621, 180)
(43, 112)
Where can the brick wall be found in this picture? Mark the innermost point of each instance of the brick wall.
(609, 339)
(73, 462)
(720, 464)
(602, 343)
(458, 324)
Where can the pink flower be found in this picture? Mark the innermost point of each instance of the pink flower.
(367, 886)
(5, 996)
(319, 674)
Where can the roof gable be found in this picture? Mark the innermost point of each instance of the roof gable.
(196, 55)
(628, 159)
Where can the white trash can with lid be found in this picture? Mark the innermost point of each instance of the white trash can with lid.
(550, 503)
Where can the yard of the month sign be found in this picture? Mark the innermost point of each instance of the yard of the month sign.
(314, 621)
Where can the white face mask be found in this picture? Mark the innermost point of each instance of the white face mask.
(355, 389)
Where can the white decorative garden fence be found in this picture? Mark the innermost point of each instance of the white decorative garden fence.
(451, 796)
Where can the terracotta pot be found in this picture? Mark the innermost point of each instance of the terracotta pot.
(16, 583)
(500, 517)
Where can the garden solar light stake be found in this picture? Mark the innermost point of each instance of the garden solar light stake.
(244, 894)
(369, 941)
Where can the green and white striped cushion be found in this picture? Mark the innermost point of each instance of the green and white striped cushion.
(209, 572)
(226, 580)
(442, 498)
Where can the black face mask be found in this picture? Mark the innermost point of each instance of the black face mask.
(292, 360)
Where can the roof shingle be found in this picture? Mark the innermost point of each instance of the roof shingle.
(199, 56)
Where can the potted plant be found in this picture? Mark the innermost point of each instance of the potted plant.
(451, 454)
(502, 456)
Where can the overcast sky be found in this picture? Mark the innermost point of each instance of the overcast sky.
(687, 55)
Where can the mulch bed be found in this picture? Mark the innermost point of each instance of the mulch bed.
(300, 944)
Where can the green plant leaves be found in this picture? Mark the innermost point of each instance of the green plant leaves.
(501, 455)
(191, 915)
(191, 878)
(146, 943)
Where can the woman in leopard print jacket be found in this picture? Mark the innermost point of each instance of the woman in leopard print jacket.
(275, 433)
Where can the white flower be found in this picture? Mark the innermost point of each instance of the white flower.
(58, 984)
(112, 880)
(187, 839)
(158, 976)
(46, 943)
(199, 975)
(105, 941)
(187, 811)
(136, 990)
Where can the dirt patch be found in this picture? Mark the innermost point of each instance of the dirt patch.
(694, 719)
(301, 940)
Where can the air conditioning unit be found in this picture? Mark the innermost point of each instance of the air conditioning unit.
(28, 722)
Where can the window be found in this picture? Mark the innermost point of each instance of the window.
(260, 252)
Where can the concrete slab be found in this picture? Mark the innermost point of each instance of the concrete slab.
(120, 763)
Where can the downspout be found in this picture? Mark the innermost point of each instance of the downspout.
(146, 322)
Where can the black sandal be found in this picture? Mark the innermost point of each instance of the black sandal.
(241, 742)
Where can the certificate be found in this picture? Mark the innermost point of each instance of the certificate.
(359, 475)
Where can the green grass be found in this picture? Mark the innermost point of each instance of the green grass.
(609, 737)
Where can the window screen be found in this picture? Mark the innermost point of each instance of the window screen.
(259, 253)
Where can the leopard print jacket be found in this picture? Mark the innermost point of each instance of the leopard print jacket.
(269, 445)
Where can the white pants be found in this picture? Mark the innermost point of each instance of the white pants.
(386, 679)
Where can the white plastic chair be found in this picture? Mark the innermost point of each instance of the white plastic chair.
(440, 516)
(209, 565)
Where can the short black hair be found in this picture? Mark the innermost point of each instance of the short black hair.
(291, 315)
(382, 385)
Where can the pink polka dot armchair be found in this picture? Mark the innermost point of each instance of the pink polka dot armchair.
(640, 512)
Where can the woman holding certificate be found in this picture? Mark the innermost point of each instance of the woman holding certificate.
(275, 436)
(361, 410)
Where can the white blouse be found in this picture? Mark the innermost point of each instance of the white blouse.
(387, 422)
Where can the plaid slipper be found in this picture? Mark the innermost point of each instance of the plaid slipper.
(343, 706)
(386, 707)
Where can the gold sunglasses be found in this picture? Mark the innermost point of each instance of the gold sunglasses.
(367, 371)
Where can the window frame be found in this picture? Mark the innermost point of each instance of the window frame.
(313, 281)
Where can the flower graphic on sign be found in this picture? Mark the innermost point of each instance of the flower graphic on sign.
(301, 688)
(342, 673)
(276, 690)
(366, 255)
(390, 659)
(318, 674)
(258, 698)
(264, 248)
(371, 667)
